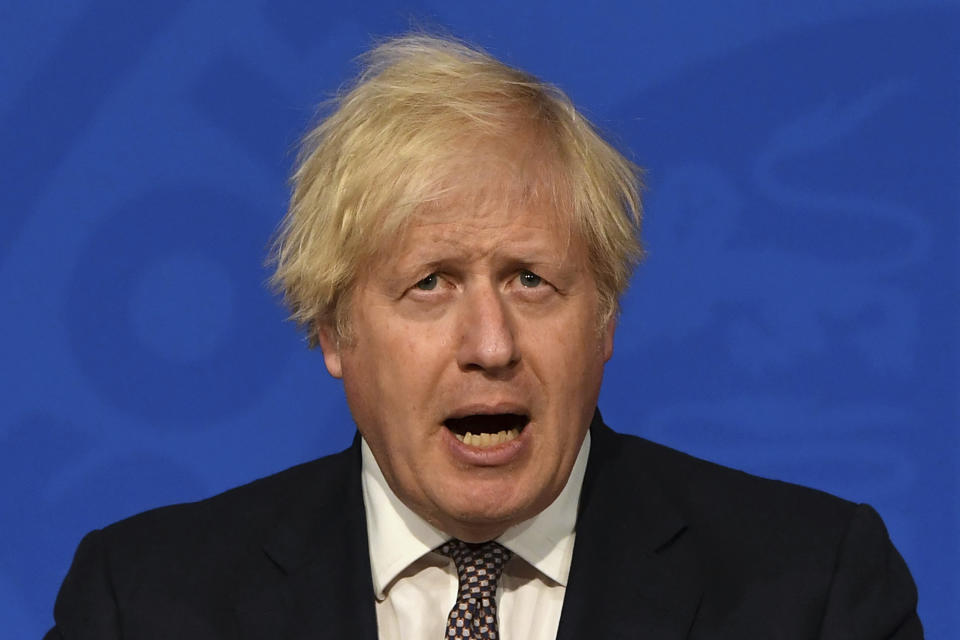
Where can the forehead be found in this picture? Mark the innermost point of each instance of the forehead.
(468, 230)
(482, 194)
(487, 174)
(497, 182)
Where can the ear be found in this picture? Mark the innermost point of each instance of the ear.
(330, 345)
(607, 339)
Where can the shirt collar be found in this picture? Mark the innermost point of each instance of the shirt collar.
(398, 537)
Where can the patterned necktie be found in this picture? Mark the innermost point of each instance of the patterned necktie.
(478, 568)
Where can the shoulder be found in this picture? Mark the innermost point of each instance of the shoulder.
(737, 524)
(183, 567)
(303, 487)
(761, 545)
(208, 536)
(709, 494)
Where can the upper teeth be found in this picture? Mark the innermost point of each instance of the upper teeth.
(488, 439)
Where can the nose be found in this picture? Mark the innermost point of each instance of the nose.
(488, 341)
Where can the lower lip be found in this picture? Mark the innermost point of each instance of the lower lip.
(493, 456)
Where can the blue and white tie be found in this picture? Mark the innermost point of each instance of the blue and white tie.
(474, 616)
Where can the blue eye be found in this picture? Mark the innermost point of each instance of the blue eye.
(429, 283)
(530, 279)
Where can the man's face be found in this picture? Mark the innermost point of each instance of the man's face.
(481, 322)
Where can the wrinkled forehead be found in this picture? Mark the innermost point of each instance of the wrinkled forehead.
(531, 233)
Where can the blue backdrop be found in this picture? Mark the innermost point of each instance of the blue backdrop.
(797, 316)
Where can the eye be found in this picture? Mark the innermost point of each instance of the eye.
(530, 279)
(429, 283)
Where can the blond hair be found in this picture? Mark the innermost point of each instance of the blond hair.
(394, 140)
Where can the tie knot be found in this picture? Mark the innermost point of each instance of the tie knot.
(479, 565)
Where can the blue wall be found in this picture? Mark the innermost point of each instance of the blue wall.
(797, 317)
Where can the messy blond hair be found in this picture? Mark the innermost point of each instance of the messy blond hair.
(393, 146)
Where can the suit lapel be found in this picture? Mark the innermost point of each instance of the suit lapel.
(316, 578)
(634, 573)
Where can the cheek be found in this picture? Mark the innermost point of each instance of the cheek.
(402, 373)
(571, 340)
(419, 349)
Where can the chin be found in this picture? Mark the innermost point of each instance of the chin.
(489, 510)
(479, 527)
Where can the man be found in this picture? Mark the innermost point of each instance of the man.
(456, 244)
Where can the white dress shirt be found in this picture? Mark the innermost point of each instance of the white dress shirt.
(415, 587)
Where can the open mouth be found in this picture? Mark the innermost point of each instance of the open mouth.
(487, 430)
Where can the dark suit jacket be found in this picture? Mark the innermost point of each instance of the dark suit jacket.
(668, 547)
